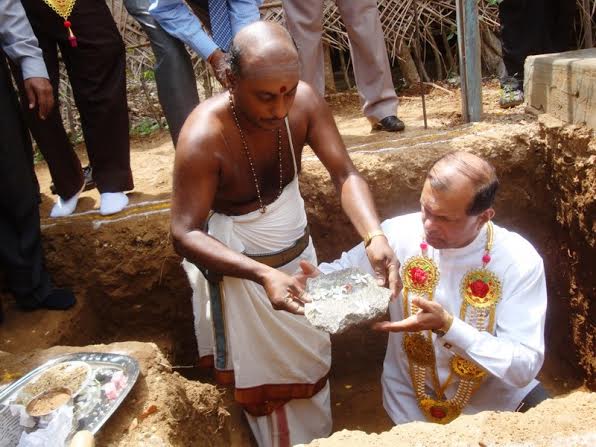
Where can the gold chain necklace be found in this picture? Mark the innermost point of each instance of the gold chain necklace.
(263, 208)
(480, 290)
(64, 9)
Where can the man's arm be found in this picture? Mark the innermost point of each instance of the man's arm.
(196, 178)
(516, 352)
(356, 199)
(20, 44)
(177, 19)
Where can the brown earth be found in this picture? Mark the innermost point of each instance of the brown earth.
(130, 285)
(180, 405)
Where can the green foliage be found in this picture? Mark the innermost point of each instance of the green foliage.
(494, 2)
(145, 127)
(37, 155)
(149, 75)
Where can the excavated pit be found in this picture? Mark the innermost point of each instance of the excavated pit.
(131, 286)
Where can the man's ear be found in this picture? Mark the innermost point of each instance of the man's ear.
(485, 216)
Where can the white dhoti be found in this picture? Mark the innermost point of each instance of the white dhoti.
(280, 363)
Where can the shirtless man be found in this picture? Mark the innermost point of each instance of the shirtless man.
(239, 155)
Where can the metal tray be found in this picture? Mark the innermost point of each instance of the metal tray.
(92, 407)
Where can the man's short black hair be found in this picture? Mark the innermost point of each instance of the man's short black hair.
(482, 175)
(234, 55)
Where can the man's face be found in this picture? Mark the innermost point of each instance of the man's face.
(266, 100)
(446, 223)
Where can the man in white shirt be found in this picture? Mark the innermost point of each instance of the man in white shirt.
(466, 332)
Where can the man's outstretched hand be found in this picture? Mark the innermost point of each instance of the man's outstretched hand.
(431, 316)
(385, 264)
(307, 270)
(285, 292)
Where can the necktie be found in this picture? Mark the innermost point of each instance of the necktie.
(221, 27)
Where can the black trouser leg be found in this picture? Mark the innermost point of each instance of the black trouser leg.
(522, 33)
(20, 236)
(97, 72)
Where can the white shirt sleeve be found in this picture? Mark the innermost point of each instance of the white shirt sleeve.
(516, 352)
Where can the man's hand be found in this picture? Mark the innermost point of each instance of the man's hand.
(285, 292)
(219, 65)
(385, 264)
(307, 271)
(39, 93)
(431, 316)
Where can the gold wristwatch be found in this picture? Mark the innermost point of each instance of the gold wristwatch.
(369, 236)
(442, 331)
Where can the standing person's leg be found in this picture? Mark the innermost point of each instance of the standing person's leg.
(371, 62)
(20, 236)
(560, 15)
(97, 72)
(50, 135)
(304, 19)
(523, 33)
(174, 75)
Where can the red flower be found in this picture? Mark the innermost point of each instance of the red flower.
(479, 288)
(418, 276)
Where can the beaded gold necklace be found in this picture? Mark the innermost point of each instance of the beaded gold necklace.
(480, 290)
(64, 9)
(262, 206)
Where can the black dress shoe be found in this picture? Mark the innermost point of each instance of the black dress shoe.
(390, 123)
(87, 178)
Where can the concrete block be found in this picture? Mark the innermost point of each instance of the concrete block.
(563, 85)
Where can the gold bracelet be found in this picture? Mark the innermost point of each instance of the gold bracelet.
(369, 236)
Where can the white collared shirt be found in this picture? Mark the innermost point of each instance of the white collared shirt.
(512, 356)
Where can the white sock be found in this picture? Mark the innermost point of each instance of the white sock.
(112, 202)
(66, 207)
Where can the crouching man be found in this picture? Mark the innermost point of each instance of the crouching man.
(466, 332)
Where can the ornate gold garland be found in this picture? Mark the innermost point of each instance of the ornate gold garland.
(64, 9)
(480, 291)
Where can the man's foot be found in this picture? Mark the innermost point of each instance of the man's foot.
(390, 123)
(510, 97)
(66, 207)
(112, 202)
(87, 177)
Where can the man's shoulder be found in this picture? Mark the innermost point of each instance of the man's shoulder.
(205, 123)
(405, 222)
(517, 249)
(307, 99)
(402, 228)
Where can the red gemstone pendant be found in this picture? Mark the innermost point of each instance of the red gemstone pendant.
(438, 412)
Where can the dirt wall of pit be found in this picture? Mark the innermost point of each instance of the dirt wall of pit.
(132, 285)
(570, 153)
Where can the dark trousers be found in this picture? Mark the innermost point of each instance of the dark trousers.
(20, 236)
(174, 75)
(97, 72)
(534, 27)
